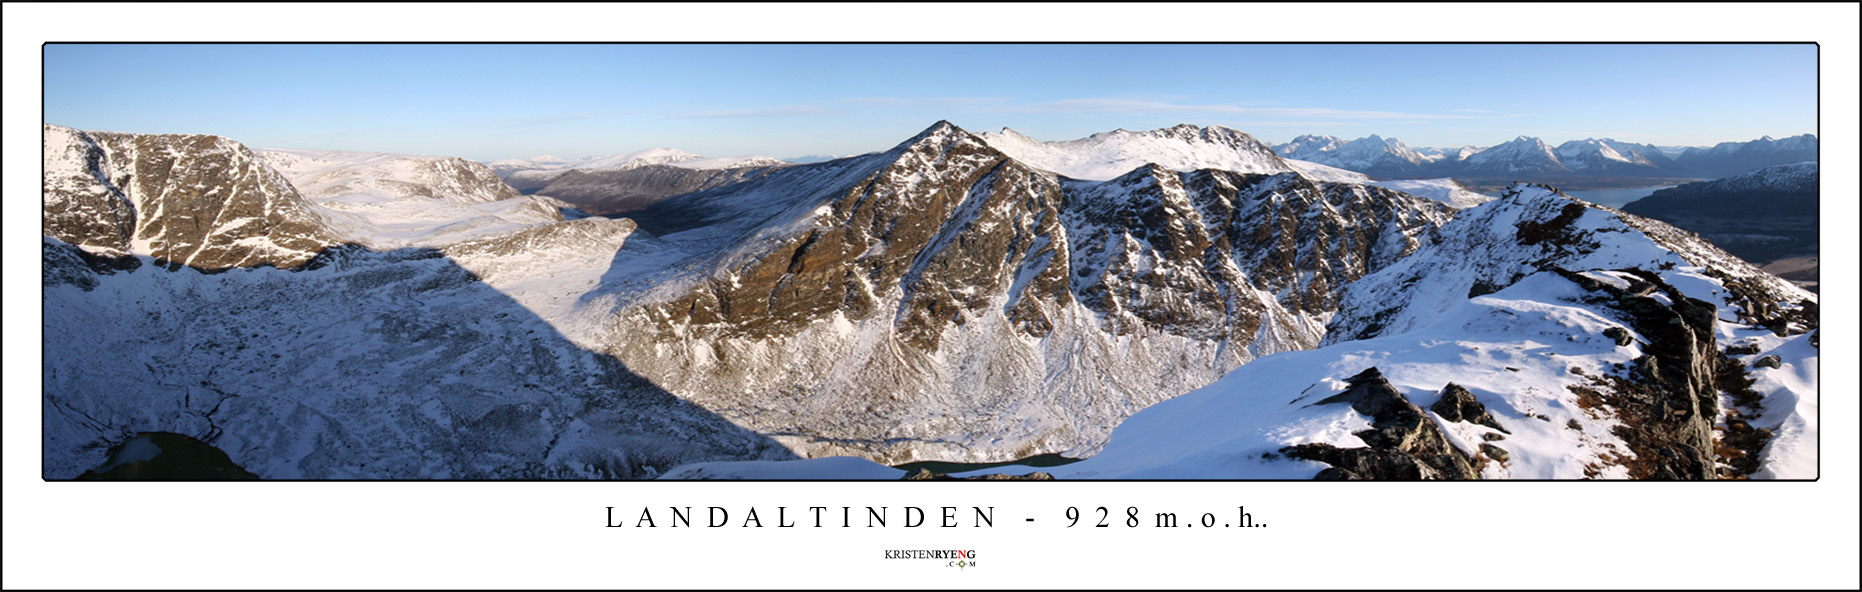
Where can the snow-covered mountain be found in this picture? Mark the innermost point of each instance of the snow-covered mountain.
(1524, 157)
(1611, 156)
(1372, 155)
(1520, 155)
(1449, 154)
(331, 173)
(1528, 157)
(195, 200)
(1800, 177)
(1537, 337)
(1732, 158)
(392, 201)
(430, 355)
(1761, 216)
(942, 300)
(1184, 147)
(970, 307)
(1310, 147)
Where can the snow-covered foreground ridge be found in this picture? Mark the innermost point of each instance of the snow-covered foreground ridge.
(938, 301)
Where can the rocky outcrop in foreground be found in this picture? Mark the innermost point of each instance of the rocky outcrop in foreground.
(1402, 444)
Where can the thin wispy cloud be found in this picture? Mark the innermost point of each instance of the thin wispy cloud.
(781, 111)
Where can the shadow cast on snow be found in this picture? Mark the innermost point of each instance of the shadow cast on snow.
(360, 364)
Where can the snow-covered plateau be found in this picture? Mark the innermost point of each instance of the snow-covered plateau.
(1179, 303)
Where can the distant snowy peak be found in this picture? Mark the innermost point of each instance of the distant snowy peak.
(1731, 158)
(653, 156)
(1450, 154)
(728, 162)
(1107, 155)
(1382, 157)
(1309, 147)
(1522, 154)
(330, 173)
(1373, 155)
(1610, 155)
(532, 174)
(534, 162)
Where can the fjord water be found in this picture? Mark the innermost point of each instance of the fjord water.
(1615, 198)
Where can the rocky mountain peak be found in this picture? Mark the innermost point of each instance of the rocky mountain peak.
(187, 199)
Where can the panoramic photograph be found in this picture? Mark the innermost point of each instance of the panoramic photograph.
(1080, 261)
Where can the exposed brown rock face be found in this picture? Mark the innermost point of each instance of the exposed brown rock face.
(1668, 402)
(972, 281)
(194, 200)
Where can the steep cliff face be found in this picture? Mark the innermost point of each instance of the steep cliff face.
(965, 306)
(194, 200)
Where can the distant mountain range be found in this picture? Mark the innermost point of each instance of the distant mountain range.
(530, 175)
(1528, 158)
(1731, 158)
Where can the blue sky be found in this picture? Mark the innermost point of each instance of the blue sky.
(501, 101)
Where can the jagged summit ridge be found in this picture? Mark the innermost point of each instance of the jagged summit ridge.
(1107, 155)
(1534, 228)
(945, 274)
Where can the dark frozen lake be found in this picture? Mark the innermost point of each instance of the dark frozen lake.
(1045, 460)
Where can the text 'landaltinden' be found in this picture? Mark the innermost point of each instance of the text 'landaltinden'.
(810, 517)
